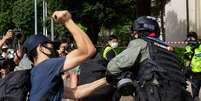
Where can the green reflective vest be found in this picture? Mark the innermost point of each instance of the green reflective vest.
(106, 50)
(196, 60)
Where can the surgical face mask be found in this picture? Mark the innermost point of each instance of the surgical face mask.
(114, 44)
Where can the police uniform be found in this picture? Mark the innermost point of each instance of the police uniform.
(195, 56)
(108, 54)
(125, 59)
(156, 71)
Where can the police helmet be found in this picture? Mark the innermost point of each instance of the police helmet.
(192, 34)
(146, 24)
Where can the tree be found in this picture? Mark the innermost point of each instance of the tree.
(6, 15)
(159, 10)
(23, 16)
(94, 14)
(143, 7)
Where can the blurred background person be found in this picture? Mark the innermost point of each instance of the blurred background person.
(109, 51)
(193, 63)
(63, 47)
(4, 51)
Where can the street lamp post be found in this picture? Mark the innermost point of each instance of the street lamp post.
(35, 8)
(187, 15)
(44, 17)
(52, 29)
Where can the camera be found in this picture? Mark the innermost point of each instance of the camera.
(17, 33)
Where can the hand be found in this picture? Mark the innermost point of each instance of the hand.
(61, 16)
(9, 35)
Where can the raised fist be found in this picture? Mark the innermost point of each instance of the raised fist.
(61, 16)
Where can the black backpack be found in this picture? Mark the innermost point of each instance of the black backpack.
(160, 77)
(15, 86)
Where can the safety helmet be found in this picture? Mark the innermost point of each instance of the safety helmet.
(146, 24)
(34, 41)
(192, 34)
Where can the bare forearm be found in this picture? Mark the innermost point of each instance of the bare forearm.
(85, 90)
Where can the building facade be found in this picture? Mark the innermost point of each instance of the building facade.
(176, 19)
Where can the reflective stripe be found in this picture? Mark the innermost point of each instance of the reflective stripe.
(196, 61)
(106, 50)
(188, 49)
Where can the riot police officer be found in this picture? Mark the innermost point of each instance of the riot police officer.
(155, 71)
(193, 57)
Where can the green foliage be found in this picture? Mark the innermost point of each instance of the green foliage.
(180, 55)
(23, 15)
(123, 33)
(5, 15)
(110, 13)
(91, 14)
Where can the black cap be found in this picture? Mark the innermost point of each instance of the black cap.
(34, 41)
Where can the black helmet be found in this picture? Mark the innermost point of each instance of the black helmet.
(192, 34)
(146, 24)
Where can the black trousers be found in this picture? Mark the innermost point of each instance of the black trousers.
(196, 84)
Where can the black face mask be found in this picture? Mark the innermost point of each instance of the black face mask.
(53, 54)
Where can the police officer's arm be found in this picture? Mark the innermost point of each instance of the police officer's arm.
(127, 58)
(84, 90)
(85, 47)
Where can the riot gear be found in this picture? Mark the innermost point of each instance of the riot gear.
(147, 25)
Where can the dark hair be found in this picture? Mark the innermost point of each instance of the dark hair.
(111, 37)
(64, 41)
(7, 64)
(32, 54)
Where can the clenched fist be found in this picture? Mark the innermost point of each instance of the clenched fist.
(61, 16)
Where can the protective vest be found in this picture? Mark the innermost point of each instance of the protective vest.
(196, 60)
(162, 65)
(106, 51)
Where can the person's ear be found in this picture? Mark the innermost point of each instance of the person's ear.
(40, 47)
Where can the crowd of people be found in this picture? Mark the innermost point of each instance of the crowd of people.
(147, 69)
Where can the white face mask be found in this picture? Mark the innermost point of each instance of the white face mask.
(114, 44)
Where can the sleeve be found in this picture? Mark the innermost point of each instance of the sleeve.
(56, 66)
(126, 59)
(110, 55)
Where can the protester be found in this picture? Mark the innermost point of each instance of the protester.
(63, 47)
(4, 49)
(46, 81)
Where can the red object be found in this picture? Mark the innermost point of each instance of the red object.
(152, 34)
